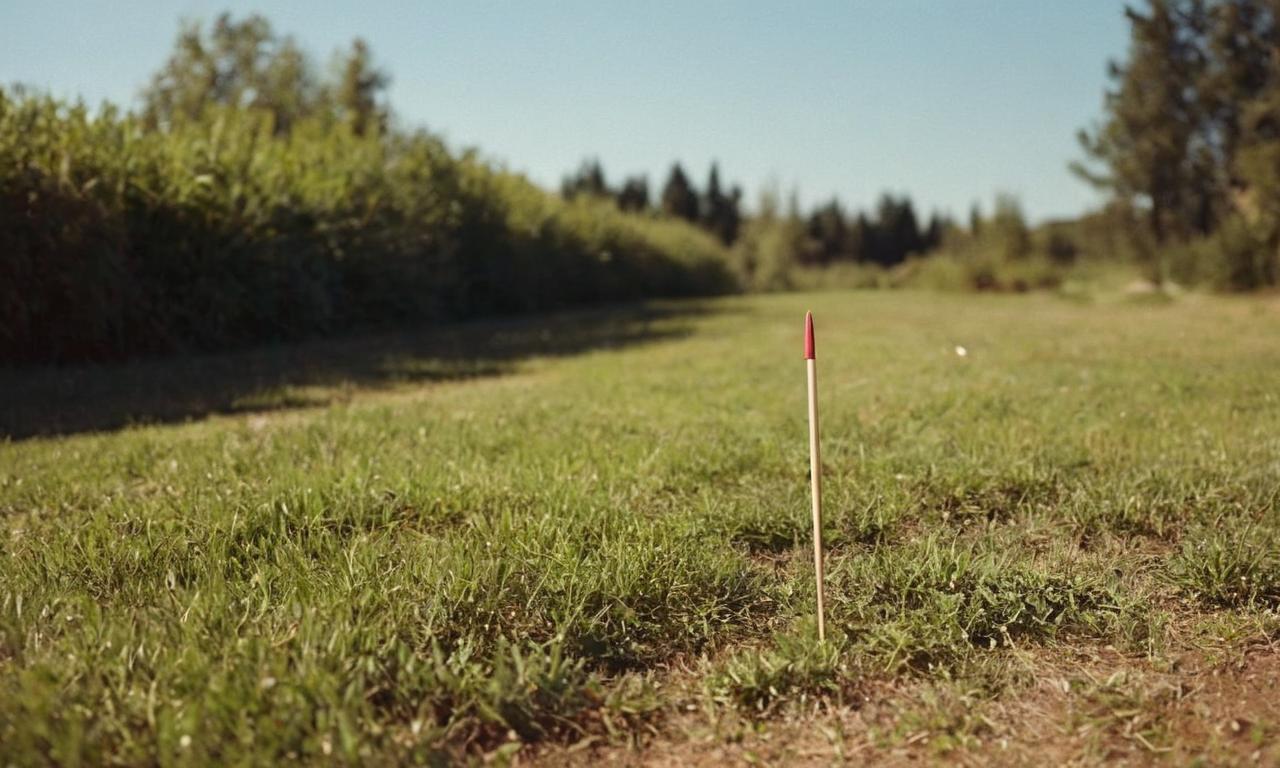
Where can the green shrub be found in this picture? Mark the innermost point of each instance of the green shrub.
(1239, 256)
(977, 271)
(766, 253)
(841, 276)
(1245, 258)
(117, 240)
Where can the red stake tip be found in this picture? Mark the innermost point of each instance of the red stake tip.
(808, 336)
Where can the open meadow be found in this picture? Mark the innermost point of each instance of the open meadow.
(1053, 534)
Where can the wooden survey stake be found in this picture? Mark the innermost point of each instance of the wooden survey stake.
(815, 467)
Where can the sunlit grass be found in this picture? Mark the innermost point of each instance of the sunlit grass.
(427, 566)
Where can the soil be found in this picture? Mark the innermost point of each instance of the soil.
(1087, 706)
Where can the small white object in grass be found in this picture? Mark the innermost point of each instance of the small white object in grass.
(961, 351)
(185, 741)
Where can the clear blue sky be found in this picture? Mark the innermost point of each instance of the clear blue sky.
(947, 100)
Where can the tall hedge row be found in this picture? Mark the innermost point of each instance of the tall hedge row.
(117, 241)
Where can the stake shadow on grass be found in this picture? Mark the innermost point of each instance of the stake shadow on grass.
(45, 401)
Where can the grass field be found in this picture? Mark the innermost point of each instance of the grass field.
(585, 539)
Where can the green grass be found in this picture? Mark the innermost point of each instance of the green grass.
(530, 531)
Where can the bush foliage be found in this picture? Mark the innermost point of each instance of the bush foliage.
(118, 239)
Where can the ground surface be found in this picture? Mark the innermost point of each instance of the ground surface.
(583, 540)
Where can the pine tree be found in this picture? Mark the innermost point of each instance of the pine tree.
(1251, 253)
(975, 220)
(862, 239)
(828, 236)
(1241, 40)
(634, 194)
(720, 211)
(933, 234)
(713, 196)
(679, 198)
(1151, 145)
(896, 233)
(589, 181)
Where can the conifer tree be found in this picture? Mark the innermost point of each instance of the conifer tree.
(719, 210)
(975, 220)
(1151, 144)
(634, 194)
(589, 180)
(679, 198)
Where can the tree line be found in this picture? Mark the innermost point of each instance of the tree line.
(245, 65)
(1190, 141)
(256, 196)
(886, 237)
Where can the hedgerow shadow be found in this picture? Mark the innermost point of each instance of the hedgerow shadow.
(48, 401)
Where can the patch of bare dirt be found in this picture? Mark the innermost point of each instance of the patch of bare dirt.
(1070, 706)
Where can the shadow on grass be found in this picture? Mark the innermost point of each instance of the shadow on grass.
(38, 402)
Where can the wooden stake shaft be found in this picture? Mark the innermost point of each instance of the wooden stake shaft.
(815, 475)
